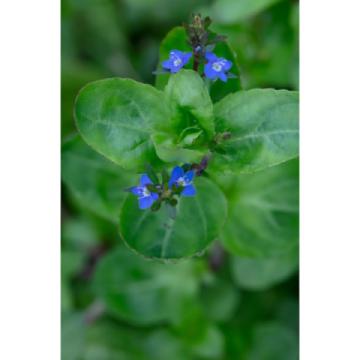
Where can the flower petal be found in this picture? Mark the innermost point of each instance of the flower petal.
(189, 176)
(186, 57)
(189, 190)
(211, 57)
(137, 190)
(175, 175)
(145, 202)
(154, 196)
(145, 180)
(167, 64)
(222, 76)
(209, 71)
(177, 53)
(227, 65)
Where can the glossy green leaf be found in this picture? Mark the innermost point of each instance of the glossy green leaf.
(189, 95)
(260, 274)
(140, 291)
(233, 11)
(198, 221)
(176, 39)
(263, 212)
(264, 127)
(97, 183)
(171, 149)
(116, 117)
(193, 123)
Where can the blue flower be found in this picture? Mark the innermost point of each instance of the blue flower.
(177, 60)
(216, 67)
(146, 198)
(180, 178)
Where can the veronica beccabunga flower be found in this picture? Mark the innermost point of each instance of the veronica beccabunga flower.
(145, 196)
(183, 179)
(177, 60)
(216, 68)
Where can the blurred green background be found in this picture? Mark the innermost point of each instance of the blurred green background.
(115, 304)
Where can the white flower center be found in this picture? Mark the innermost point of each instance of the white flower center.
(177, 61)
(145, 192)
(217, 66)
(182, 182)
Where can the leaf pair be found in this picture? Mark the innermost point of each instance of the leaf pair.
(133, 124)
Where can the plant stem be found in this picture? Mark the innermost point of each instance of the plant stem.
(196, 61)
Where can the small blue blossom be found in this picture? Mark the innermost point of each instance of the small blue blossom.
(180, 178)
(216, 67)
(176, 61)
(145, 196)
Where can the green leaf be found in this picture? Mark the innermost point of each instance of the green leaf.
(197, 223)
(107, 340)
(274, 341)
(220, 299)
(264, 127)
(172, 150)
(192, 324)
(233, 11)
(263, 212)
(261, 274)
(193, 124)
(176, 39)
(188, 93)
(212, 345)
(116, 117)
(96, 183)
(140, 291)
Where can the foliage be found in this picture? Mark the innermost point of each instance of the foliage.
(209, 269)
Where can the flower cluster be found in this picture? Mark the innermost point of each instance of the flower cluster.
(215, 67)
(202, 42)
(150, 194)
